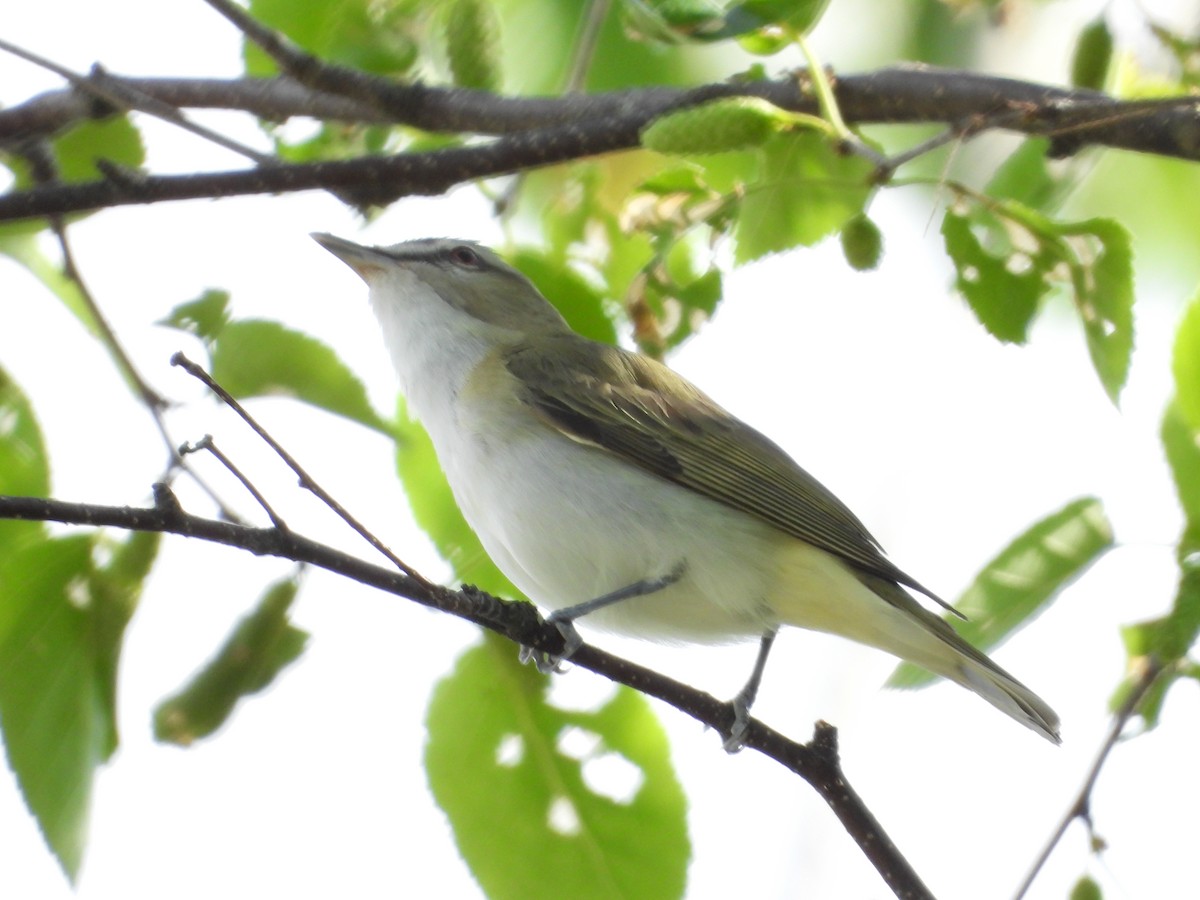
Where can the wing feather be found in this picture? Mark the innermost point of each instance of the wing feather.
(648, 415)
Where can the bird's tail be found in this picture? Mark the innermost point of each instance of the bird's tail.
(827, 595)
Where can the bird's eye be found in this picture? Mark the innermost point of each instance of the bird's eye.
(464, 256)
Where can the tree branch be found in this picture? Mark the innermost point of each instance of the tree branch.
(1080, 807)
(541, 131)
(816, 762)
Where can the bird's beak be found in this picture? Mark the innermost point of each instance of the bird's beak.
(363, 260)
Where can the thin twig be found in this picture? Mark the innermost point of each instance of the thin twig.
(119, 94)
(207, 443)
(306, 480)
(1080, 806)
(153, 400)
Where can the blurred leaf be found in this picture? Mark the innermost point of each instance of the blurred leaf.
(580, 304)
(1003, 297)
(73, 154)
(255, 358)
(332, 140)
(1185, 365)
(806, 191)
(1024, 578)
(262, 644)
(1103, 285)
(673, 21)
(1181, 441)
(25, 250)
(204, 317)
(553, 803)
(669, 302)
(1092, 56)
(1169, 638)
(56, 689)
(115, 586)
(24, 466)
(797, 15)
(473, 44)
(1025, 178)
(377, 37)
(1085, 889)
(437, 513)
(114, 140)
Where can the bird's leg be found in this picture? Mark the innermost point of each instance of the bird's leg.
(564, 619)
(745, 697)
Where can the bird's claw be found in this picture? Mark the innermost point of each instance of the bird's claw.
(735, 740)
(545, 662)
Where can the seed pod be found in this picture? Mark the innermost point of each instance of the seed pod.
(862, 243)
(731, 124)
(1093, 54)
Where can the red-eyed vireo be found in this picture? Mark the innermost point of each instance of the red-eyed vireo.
(605, 485)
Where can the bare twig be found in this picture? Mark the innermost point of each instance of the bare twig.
(1080, 807)
(207, 443)
(116, 94)
(816, 762)
(306, 480)
(150, 398)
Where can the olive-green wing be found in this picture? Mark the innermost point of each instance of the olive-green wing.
(645, 413)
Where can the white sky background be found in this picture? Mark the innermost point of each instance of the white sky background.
(944, 442)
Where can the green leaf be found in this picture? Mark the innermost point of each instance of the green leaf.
(548, 802)
(1185, 365)
(74, 152)
(204, 317)
(473, 44)
(1007, 256)
(1103, 285)
(1181, 441)
(806, 190)
(58, 649)
(1003, 297)
(254, 358)
(797, 15)
(24, 467)
(25, 250)
(116, 587)
(114, 140)
(1024, 578)
(262, 644)
(436, 512)
(377, 37)
(1025, 178)
(1169, 638)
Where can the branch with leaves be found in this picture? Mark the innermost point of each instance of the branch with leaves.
(816, 762)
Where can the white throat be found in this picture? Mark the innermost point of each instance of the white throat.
(434, 347)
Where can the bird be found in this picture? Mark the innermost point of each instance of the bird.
(609, 488)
